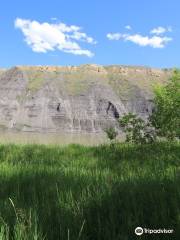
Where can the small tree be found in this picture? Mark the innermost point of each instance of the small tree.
(166, 115)
(111, 133)
(137, 130)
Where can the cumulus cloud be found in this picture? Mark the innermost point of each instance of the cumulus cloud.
(115, 36)
(44, 37)
(154, 41)
(128, 27)
(160, 30)
(82, 37)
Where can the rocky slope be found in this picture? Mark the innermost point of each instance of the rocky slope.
(87, 98)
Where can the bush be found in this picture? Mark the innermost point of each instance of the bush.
(166, 115)
(111, 133)
(137, 130)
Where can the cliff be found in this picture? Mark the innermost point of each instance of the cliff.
(86, 98)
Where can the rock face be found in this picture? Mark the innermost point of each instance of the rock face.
(87, 98)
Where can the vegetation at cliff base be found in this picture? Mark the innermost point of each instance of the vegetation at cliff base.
(166, 114)
(78, 192)
(164, 121)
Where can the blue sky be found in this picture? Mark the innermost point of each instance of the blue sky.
(73, 32)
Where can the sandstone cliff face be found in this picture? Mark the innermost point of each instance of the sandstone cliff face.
(87, 98)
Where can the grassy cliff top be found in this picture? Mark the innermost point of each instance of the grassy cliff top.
(124, 80)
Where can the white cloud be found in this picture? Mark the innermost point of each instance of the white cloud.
(128, 27)
(44, 37)
(114, 36)
(160, 30)
(82, 37)
(152, 41)
(155, 41)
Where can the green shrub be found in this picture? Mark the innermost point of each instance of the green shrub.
(137, 130)
(166, 115)
(111, 133)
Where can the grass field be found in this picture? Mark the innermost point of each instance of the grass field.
(89, 193)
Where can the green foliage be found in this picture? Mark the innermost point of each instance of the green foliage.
(84, 193)
(166, 115)
(4, 231)
(111, 133)
(24, 228)
(137, 130)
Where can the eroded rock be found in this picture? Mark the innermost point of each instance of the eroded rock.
(87, 98)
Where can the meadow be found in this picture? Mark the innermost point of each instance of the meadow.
(89, 192)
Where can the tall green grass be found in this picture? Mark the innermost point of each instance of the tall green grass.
(88, 193)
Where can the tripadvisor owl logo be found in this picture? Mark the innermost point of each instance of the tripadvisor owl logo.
(139, 231)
